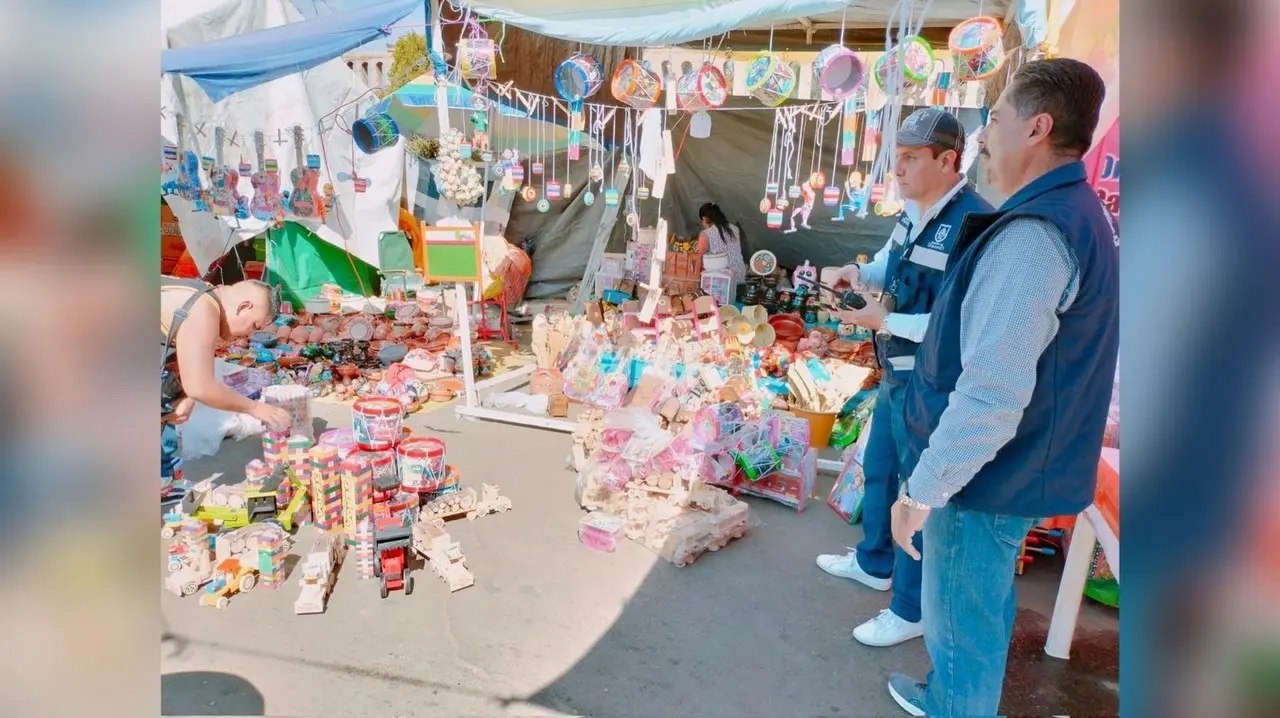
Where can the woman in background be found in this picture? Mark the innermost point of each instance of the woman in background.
(720, 237)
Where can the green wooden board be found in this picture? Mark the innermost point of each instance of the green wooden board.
(451, 254)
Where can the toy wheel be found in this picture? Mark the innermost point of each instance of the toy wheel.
(377, 568)
(174, 566)
(408, 585)
(382, 588)
(189, 588)
(222, 602)
(248, 582)
(167, 532)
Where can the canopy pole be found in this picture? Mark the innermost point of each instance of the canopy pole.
(442, 83)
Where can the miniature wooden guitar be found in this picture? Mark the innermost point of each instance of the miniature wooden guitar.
(266, 185)
(302, 198)
(222, 181)
(188, 169)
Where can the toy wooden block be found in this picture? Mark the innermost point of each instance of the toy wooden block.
(445, 556)
(319, 571)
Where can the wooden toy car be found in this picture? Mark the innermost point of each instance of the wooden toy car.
(490, 503)
(231, 578)
(319, 571)
(433, 543)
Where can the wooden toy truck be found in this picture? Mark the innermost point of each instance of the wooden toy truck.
(444, 554)
(319, 571)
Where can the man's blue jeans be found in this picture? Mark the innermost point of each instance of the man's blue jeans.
(170, 453)
(969, 607)
(877, 554)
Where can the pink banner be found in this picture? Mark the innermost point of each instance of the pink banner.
(1103, 166)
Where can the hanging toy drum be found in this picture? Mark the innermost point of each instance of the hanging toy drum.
(475, 59)
(839, 70)
(553, 190)
(464, 150)
(579, 77)
(831, 196)
(536, 168)
(794, 191)
(770, 188)
(596, 174)
(782, 203)
(877, 192)
(516, 173)
(773, 219)
(636, 85)
(917, 67)
(702, 89)
(421, 464)
(612, 197)
(713, 425)
(642, 192)
(977, 47)
(769, 79)
(758, 461)
(377, 423)
(374, 132)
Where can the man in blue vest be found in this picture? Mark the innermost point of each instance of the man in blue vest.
(1006, 408)
(909, 271)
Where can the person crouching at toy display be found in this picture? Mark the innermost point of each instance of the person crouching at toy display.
(720, 237)
(193, 317)
(909, 270)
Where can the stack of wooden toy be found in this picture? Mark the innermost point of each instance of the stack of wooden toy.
(357, 495)
(364, 557)
(273, 548)
(256, 474)
(275, 448)
(296, 400)
(299, 459)
(326, 488)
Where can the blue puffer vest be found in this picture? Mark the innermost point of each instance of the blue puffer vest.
(1050, 466)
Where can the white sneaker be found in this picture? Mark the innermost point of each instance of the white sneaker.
(887, 629)
(846, 566)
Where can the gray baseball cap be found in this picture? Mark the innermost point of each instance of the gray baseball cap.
(931, 126)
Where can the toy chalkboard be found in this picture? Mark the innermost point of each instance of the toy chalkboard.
(451, 254)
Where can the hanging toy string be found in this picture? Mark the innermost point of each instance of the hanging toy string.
(773, 146)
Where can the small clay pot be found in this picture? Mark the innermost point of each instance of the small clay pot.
(286, 362)
(441, 395)
(348, 371)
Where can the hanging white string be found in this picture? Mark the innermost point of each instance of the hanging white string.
(795, 178)
(773, 143)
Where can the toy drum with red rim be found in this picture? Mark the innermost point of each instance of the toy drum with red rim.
(402, 501)
(702, 89)
(831, 196)
(773, 219)
(377, 423)
(839, 71)
(636, 85)
(421, 464)
(452, 481)
(977, 46)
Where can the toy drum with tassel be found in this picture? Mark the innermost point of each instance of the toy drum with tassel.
(475, 58)
(702, 89)
(516, 173)
(377, 423)
(773, 219)
(918, 64)
(374, 132)
(977, 47)
(579, 77)
(553, 190)
(817, 180)
(839, 70)
(635, 85)
(769, 79)
(612, 197)
(421, 464)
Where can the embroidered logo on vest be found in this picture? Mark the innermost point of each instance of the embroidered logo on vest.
(940, 238)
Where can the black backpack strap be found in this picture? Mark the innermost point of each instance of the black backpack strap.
(184, 311)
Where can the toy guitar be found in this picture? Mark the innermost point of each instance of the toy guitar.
(266, 185)
(302, 198)
(188, 186)
(222, 181)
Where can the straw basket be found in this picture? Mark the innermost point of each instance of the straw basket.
(635, 85)
(475, 59)
(702, 89)
(769, 79)
(375, 132)
(579, 77)
(839, 70)
(917, 67)
(977, 47)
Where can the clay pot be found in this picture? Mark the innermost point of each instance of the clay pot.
(286, 362)
(441, 395)
(348, 372)
(454, 385)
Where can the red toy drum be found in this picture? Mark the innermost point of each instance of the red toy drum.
(421, 464)
(402, 501)
(377, 423)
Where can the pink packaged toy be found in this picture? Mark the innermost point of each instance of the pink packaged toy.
(600, 531)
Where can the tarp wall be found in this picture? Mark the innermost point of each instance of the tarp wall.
(301, 263)
(727, 168)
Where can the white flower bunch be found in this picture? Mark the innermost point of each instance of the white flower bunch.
(460, 183)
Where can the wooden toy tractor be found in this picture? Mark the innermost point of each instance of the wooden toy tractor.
(391, 539)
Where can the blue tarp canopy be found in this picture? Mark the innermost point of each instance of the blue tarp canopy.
(233, 64)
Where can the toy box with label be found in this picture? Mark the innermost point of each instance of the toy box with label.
(850, 487)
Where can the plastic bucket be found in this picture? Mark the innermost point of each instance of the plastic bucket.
(820, 426)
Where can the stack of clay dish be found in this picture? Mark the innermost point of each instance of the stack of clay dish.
(790, 329)
(842, 348)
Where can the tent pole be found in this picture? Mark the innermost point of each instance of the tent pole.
(442, 83)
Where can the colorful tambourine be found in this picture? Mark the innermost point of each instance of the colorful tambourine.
(543, 205)
(817, 180)
(773, 219)
(917, 66)
(528, 194)
(769, 79)
(579, 77)
(977, 46)
(636, 85)
(764, 262)
(839, 70)
(702, 89)
(765, 205)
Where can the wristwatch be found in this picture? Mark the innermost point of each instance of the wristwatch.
(909, 502)
(883, 332)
